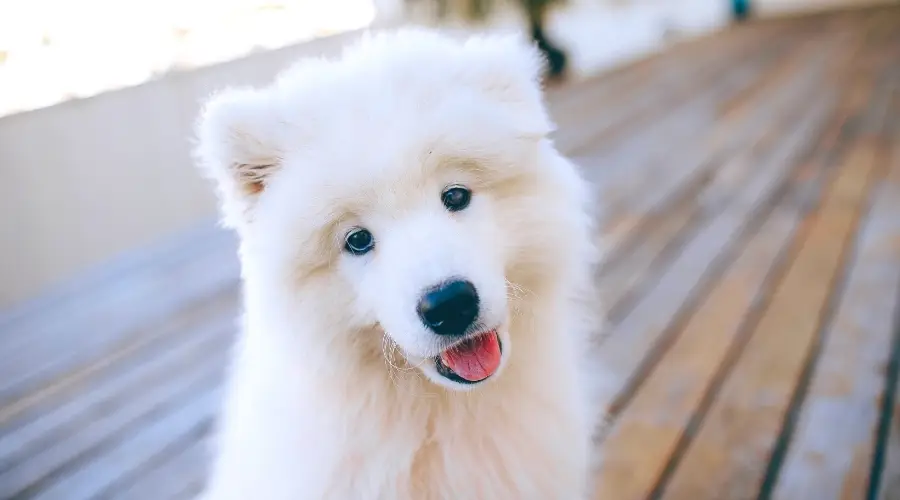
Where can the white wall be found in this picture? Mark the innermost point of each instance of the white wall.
(87, 180)
(91, 179)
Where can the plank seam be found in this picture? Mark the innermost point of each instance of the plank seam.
(789, 423)
(754, 314)
(886, 413)
(196, 433)
(827, 317)
(809, 203)
(719, 265)
(625, 303)
(891, 380)
(205, 383)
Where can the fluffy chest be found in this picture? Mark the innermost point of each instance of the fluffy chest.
(523, 455)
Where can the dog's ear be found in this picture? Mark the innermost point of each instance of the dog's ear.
(238, 148)
(509, 69)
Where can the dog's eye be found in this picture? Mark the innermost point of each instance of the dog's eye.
(456, 198)
(359, 241)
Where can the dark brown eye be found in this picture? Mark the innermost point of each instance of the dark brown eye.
(456, 198)
(359, 241)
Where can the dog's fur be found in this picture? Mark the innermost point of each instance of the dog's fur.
(333, 391)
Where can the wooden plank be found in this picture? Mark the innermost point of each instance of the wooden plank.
(700, 157)
(630, 276)
(886, 470)
(184, 422)
(633, 339)
(180, 476)
(116, 320)
(662, 306)
(69, 455)
(884, 481)
(630, 168)
(638, 449)
(636, 455)
(71, 298)
(637, 149)
(57, 423)
(831, 449)
(621, 283)
(642, 240)
(779, 75)
(668, 93)
(728, 457)
(155, 338)
(888, 480)
(622, 169)
(651, 427)
(667, 227)
(675, 119)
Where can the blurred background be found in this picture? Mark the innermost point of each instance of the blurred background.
(118, 293)
(97, 102)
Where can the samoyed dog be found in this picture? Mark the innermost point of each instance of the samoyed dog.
(417, 270)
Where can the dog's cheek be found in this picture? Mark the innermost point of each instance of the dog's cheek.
(377, 300)
(525, 237)
(510, 233)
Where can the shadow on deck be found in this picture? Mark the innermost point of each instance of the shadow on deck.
(751, 183)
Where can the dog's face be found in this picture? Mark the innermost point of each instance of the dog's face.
(424, 257)
(409, 189)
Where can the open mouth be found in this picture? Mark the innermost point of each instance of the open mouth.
(472, 360)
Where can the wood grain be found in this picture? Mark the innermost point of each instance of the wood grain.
(729, 454)
(844, 398)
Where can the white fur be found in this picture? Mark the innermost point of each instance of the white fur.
(333, 392)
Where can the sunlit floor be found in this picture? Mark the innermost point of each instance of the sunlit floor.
(751, 182)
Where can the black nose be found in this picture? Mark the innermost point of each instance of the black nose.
(450, 308)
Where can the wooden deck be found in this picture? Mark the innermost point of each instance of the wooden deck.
(751, 183)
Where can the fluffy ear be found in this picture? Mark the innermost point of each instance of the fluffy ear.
(509, 69)
(506, 68)
(238, 148)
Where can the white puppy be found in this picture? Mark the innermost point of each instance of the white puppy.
(417, 262)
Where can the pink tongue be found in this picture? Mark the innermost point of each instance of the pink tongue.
(475, 359)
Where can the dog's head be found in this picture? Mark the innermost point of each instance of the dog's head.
(408, 192)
